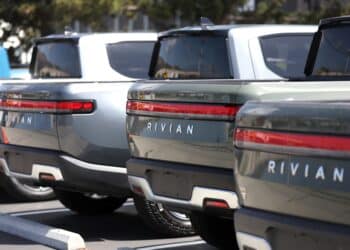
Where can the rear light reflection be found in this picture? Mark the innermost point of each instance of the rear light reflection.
(47, 106)
(137, 190)
(4, 137)
(218, 111)
(211, 203)
(244, 137)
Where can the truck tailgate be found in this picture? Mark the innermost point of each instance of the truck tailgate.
(182, 123)
(28, 115)
(67, 116)
(292, 158)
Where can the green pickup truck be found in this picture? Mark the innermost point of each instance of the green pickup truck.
(292, 174)
(181, 131)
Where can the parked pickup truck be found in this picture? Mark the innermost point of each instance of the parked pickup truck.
(291, 157)
(68, 132)
(66, 127)
(292, 173)
(180, 123)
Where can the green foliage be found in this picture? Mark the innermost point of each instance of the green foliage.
(267, 11)
(43, 17)
(163, 13)
(329, 8)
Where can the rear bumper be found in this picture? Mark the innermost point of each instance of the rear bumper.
(66, 172)
(181, 186)
(261, 230)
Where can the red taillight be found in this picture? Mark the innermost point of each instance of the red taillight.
(213, 203)
(246, 137)
(5, 139)
(138, 190)
(47, 106)
(214, 111)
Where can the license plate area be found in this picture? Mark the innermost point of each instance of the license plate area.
(170, 184)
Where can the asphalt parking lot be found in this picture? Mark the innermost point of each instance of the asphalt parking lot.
(121, 230)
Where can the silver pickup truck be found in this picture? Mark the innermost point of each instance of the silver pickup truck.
(68, 132)
(65, 128)
(180, 123)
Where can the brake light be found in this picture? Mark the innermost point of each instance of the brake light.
(47, 106)
(249, 137)
(214, 111)
(213, 203)
(5, 139)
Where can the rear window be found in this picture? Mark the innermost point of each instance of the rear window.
(131, 59)
(286, 55)
(333, 55)
(192, 57)
(57, 60)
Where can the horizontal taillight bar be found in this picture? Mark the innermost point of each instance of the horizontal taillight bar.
(47, 106)
(213, 111)
(248, 137)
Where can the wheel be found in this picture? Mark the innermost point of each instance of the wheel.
(216, 231)
(23, 192)
(89, 204)
(163, 220)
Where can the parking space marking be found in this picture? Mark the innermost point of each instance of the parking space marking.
(53, 237)
(55, 210)
(180, 244)
(45, 211)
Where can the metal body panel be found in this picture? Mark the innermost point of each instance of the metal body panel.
(98, 137)
(245, 49)
(206, 143)
(211, 146)
(308, 182)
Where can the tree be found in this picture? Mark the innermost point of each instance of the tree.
(164, 12)
(329, 8)
(266, 11)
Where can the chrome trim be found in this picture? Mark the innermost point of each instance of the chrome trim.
(94, 167)
(197, 198)
(252, 241)
(38, 169)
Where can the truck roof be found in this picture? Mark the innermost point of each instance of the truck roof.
(108, 37)
(224, 29)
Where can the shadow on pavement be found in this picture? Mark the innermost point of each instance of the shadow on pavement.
(123, 225)
(4, 197)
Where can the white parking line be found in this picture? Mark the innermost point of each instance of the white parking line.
(180, 244)
(44, 211)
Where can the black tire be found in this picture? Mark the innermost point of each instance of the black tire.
(162, 220)
(216, 231)
(23, 192)
(87, 204)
